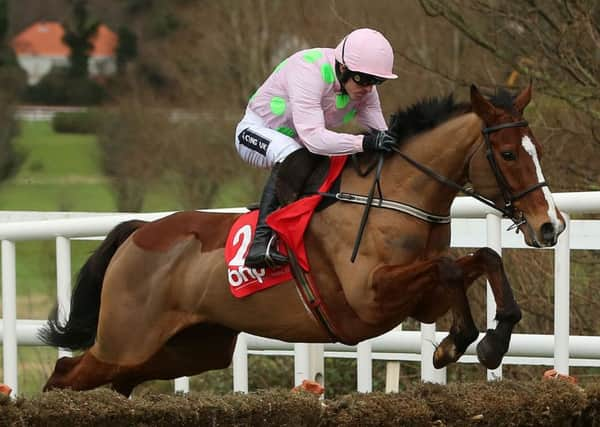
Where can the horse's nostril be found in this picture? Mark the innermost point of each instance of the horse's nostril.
(548, 232)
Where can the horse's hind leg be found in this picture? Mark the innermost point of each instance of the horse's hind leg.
(494, 345)
(194, 350)
(82, 372)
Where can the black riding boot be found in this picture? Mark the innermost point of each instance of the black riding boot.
(263, 252)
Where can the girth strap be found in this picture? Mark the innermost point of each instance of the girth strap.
(312, 298)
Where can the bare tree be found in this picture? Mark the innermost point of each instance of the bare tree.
(555, 42)
(12, 81)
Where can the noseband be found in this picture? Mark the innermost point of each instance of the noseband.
(509, 209)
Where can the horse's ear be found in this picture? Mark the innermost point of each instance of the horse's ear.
(523, 99)
(481, 106)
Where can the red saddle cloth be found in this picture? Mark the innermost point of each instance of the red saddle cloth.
(290, 223)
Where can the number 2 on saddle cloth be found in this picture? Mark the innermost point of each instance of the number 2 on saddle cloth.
(290, 223)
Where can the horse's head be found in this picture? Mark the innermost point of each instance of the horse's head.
(506, 168)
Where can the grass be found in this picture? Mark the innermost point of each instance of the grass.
(36, 267)
(57, 197)
(57, 155)
(60, 173)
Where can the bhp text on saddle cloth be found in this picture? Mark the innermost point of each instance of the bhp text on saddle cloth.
(290, 223)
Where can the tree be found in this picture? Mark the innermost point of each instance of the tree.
(78, 34)
(7, 56)
(555, 42)
(11, 80)
(131, 152)
(127, 48)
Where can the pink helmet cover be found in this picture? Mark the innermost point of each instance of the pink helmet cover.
(367, 51)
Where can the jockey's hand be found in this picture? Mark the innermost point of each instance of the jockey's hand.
(380, 140)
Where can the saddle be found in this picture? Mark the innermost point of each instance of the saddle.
(289, 223)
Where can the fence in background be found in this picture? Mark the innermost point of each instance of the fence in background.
(41, 113)
(473, 225)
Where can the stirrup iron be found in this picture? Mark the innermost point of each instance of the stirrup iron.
(268, 259)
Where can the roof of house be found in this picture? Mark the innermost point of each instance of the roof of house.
(45, 39)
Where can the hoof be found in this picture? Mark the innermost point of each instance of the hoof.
(445, 353)
(491, 350)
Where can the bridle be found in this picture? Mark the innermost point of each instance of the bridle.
(508, 210)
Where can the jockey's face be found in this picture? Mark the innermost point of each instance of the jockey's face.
(356, 91)
(359, 84)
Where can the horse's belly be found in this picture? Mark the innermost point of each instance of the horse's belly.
(277, 312)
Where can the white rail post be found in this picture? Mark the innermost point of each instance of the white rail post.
(309, 363)
(182, 385)
(392, 376)
(494, 241)
(240, 364)
(301, 363)
(364, 367)
(63, 284)
(428, 343)
(9, 315)
(317, 363)
(392, 373)
(562, 269)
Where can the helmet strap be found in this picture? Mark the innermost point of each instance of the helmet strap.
(342, 76)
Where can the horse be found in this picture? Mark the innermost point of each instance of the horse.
(152, 302)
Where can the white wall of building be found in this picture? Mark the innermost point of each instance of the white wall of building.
(37, 66)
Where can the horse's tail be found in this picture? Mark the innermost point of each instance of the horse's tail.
(80, 330)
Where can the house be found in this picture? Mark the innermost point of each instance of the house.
(39, 48)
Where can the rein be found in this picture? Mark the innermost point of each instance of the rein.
(369, 201)
(508, 210)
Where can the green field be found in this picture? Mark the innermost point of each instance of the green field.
(62, 172)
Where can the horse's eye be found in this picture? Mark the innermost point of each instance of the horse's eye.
(508, 155)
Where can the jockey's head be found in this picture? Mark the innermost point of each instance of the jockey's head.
(363, 58)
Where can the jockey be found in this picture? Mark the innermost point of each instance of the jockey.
(291, 113)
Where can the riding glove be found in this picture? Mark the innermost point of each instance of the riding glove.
(380, 140)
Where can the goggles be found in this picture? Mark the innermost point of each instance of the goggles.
(363, 79)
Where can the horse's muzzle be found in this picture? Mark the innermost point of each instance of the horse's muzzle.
(549, 234)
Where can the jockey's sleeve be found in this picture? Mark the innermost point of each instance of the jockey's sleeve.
(369, 114)
(306, 88)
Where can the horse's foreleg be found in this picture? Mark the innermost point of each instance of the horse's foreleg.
(494, 345)
(425, 292)
(463, 330)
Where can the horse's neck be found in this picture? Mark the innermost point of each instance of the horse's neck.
(446, 150)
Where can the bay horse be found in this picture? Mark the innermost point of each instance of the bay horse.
(152, 302)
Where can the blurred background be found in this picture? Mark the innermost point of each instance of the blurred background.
(131, 105)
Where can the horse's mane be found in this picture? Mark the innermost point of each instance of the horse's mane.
(429, 113)
(425, 115)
